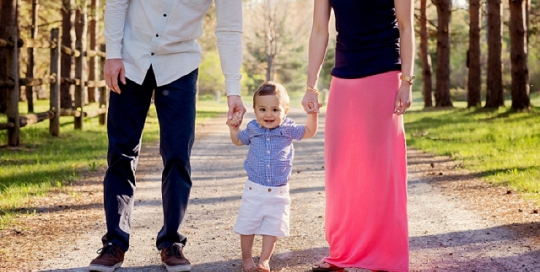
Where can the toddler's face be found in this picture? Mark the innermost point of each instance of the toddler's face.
(269, 111)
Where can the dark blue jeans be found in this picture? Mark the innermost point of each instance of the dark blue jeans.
(175, 105)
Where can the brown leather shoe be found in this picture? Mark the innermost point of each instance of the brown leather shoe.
(110, 257)
(173, 259)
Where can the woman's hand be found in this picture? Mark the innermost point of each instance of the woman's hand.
(310, 102)
(403, 98)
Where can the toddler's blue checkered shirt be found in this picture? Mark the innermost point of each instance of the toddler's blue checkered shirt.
(270, 155)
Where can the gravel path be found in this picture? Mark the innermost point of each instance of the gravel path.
(447, 233)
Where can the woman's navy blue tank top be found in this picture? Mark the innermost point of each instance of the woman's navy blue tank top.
(368, 38)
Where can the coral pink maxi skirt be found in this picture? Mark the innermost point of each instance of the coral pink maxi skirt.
(366, 175)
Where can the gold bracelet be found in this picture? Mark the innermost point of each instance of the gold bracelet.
(312, 89)
(409, 79)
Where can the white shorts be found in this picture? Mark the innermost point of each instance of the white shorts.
(264, 211)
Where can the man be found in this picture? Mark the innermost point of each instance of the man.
(152, 45)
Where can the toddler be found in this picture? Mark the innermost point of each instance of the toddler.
(266, 203)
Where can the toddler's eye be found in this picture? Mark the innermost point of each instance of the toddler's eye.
(276, 110)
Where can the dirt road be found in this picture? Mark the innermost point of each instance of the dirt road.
(451, 228)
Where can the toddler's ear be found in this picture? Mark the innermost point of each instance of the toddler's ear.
(287, 109)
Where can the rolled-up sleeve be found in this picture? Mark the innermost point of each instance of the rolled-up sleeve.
(229, 42)
(115, 17)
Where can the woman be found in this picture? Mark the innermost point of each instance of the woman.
(365, 152)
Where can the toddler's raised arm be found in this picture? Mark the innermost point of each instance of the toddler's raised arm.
(311, 124)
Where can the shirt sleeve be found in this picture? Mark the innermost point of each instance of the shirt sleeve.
(115, 18)
(297, 131)
(243, 136)
(229, 42)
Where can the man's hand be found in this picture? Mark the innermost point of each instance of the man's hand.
(113, 69)
(235, 121)
(236, 109)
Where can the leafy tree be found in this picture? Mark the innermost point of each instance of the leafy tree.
(275, 41)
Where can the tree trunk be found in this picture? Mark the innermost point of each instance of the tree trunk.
(93, 70)
(7, 17)
(527, 17)
(81, 30)
(495, 92)
(3, 92)
(518, 55)
(426, 58)
(442, 96)
(67, 62)
(14, 133)
(474, 98)
(31, 55)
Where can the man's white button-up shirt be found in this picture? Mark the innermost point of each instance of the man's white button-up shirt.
(164, 33)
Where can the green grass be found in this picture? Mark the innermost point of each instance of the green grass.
(43, 163)
(501, 146)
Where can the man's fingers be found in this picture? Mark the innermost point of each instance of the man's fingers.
(114, 72)
(114, 83)
(108, 81)
(241, 111)
(123, 76)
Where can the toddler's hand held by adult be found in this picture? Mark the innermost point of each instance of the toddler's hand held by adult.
(236, 109)
(310, 102)
(235, 121)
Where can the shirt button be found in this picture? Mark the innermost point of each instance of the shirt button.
(268, 151)
(152, 54)
(268, 165)
(268, 139)
(157, 35)
(164, 15)
(269, 190)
